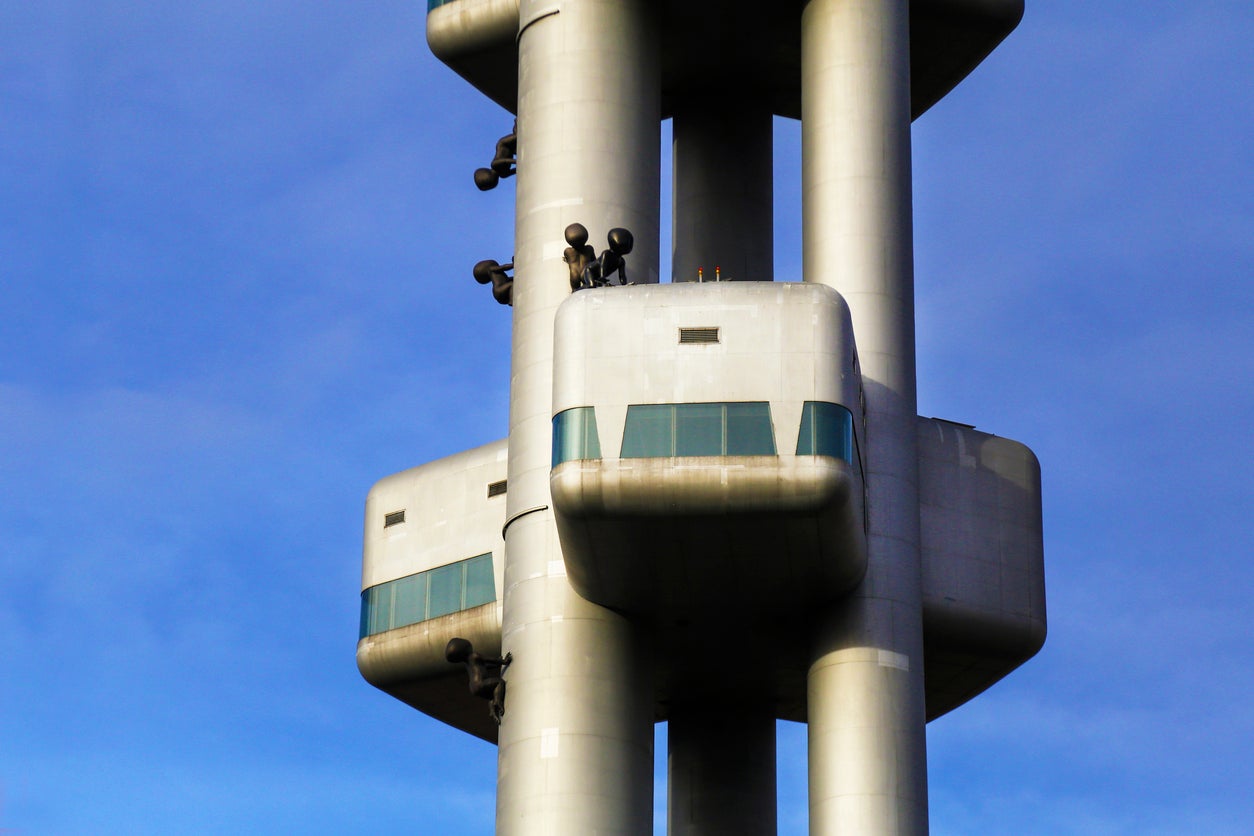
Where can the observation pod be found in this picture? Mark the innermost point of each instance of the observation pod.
(982, 560)
(706, 451)
(431, 570)
(758, 45)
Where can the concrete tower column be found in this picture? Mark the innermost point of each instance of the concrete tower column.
(722, 210)
(576, 743)
(865, 687)
(721, 761)
(720, 770)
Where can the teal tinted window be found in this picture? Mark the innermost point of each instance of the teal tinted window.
(369, 611)
(749, 431)
(381, 609)
(480, 588)
(575, 435)
(409, 599)
(446, 590)
(826, 430)
(698, 429)
(440, 591)
(649, 431)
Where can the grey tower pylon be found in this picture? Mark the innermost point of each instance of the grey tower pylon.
(576, 747)
(866, 694)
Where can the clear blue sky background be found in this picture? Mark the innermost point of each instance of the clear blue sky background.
(235, 242)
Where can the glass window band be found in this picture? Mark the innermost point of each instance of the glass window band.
(425, 595)
(698, 429)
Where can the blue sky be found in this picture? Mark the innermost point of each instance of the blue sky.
(235, 242)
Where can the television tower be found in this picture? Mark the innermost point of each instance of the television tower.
(716, 505)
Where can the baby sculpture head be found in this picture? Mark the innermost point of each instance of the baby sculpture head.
(458, 650)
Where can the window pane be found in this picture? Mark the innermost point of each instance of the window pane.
(833, 433)
(446, 590)
(591, 443)
(380, 608)
(699, 429)
(805, 438)
(363, 628)
(826, 430)
(749, 431)
(648, 432)
(409, 600)
(563, 445)
(575, 435)
(480, 588)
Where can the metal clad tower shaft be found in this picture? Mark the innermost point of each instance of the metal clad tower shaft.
(723, 205)
(576, 742)
(720, 770)
(721, 758)
(867, 753)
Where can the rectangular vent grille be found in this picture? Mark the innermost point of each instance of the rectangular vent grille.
(394, 518)
(698, 336)
(496, 489)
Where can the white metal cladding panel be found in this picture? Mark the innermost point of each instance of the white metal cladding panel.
(980, 513)
(448, 516)
(785, 343)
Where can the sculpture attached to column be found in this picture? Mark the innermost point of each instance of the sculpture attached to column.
(504, 162)
(484, 673)
(579, 254)
(502, 283)
(586, 269)
(621, 242)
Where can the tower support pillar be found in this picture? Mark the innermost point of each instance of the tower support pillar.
(722, 201)
(576, 741)
(866, 709)
(720, 771)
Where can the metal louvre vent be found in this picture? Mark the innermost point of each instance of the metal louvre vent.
(394, 518)
(698, 336)
(496, 489)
